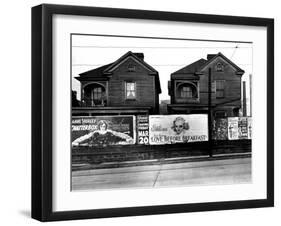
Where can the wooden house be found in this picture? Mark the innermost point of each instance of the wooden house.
(127, 86)
(189, 87)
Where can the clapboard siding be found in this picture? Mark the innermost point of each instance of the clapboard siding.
(232, 87)
(146, 95)
(111, 80)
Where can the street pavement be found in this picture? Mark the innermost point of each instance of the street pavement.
(211, 172)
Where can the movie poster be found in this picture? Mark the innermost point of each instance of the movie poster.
(143, 129)
(171, 129)
(103, 130)
(242, 128)
(233, 128)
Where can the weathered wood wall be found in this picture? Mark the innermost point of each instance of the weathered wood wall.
(146, 95)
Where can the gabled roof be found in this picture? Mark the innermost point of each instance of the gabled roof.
(191, 68)
(136, 56)
(105, 71)
(97, 72)
(215, 56)
(198, 66)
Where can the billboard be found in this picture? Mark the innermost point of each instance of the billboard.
(103, 130)
(171, 129)
(239, 128)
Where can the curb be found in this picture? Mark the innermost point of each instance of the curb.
(107, 165)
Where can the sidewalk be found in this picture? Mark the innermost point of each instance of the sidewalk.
(106, 165)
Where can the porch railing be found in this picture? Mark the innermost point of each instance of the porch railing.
(88, 102)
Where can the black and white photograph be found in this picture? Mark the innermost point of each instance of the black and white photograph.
(142, 112)
(155, 112)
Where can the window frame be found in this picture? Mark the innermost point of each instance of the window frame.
(219, 67)
(188, 92)
(131, 68)
(194, 83)
(126, 91)
(100, 93)
(220, 89)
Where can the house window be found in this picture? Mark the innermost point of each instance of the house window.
(130, 90)
(97, 93)
(220, 114)
(220, 88)
(131, 68)
(94, 94)
(186, 92)
(219, 67)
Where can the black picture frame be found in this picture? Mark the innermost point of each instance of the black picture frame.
(42, 84)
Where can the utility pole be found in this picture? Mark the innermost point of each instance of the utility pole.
(210, 112)
(244, 100)
(250, 78)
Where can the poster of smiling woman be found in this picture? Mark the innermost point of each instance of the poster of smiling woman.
(169, 129)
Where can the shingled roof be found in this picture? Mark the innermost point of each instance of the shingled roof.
(191, 68)
(104, 71)
(97, 72)
(212, 57)
(197, 66)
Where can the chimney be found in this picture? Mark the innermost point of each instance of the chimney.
(210, 56)
(139, 55)
(169, 88)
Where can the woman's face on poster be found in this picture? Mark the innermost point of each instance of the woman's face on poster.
(179, 127)
(103, 127)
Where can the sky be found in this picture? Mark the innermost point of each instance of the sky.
(165, 55)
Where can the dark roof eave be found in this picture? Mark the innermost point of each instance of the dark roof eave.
(129, 53)
(158, 84)
(190, 73)
(240, 72)
(185, 76)
(103, 78)
(191, 68)
(98, 70)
